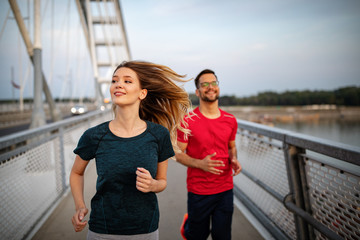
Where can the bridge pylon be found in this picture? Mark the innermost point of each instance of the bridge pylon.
(40, 82)
(106, 38)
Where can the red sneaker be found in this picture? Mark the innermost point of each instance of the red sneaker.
(182, 229)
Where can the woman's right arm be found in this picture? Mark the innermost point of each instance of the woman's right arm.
(77, 189)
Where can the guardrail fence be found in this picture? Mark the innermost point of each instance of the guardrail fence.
(298, 186)
(34, 171)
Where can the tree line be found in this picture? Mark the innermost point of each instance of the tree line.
(346, 96)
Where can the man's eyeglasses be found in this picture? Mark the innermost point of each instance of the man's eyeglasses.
(207, 84)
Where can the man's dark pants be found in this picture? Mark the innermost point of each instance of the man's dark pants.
(203, 209)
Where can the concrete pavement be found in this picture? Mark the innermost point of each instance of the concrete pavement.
(172, 203)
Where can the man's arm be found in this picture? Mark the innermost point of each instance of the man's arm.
(206, 164)
(235, 164)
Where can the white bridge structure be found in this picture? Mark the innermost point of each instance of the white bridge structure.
(106, 39)
(297, 186)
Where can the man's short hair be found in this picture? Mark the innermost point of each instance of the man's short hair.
(205, 71)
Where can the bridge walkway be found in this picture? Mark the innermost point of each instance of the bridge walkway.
(172, 203)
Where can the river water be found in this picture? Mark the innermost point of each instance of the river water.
(347, 132)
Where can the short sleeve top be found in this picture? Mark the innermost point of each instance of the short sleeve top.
(118, 207)
(206, 137)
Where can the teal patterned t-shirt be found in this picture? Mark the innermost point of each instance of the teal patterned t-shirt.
(118, 207)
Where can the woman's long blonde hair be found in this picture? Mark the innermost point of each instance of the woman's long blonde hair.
(166, 103)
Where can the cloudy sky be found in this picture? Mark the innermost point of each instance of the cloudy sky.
(252, 45)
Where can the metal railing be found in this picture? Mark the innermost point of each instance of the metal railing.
(298, 186)
(34, 171)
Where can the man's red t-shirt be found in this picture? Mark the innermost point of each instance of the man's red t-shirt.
(206, 137)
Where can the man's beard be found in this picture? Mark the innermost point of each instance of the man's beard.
(207, 99)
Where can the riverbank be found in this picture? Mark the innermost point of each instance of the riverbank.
(11, 116)
(288, 114)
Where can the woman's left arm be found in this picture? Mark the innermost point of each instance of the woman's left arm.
(145, 183)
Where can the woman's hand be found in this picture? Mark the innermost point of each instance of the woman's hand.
(77, 219)
(144, 180)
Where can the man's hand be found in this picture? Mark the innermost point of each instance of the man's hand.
(209, 165)
(235, 164)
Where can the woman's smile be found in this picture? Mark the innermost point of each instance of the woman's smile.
(118, 93)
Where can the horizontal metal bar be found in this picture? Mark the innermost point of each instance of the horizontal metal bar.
(333, 149)
(22, 149)
(268, 189)
(104, 64)
(335, 163)
(265, 141)
(104, 20)
(262, 217)
(271, 132)
(312, 221)
(102, 42)
(31, 133)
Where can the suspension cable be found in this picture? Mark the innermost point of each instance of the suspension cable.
(3, 27)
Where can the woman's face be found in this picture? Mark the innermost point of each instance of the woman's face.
(125, 87)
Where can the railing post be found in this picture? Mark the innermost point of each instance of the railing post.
(61, 174)
(305, 194)
(296, 187)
